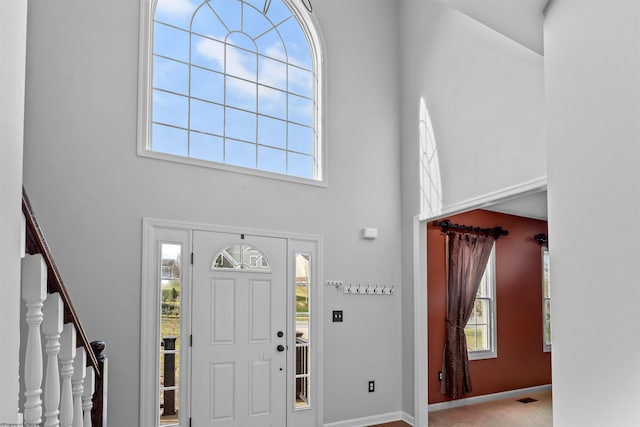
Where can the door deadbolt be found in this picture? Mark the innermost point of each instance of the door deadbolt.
(280, 334)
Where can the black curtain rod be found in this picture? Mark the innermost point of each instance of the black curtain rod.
(446, 225)
(542, 239)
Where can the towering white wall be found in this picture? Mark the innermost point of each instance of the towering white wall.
(13, 42)
(592, 72)
(90, 191)
(485, 96)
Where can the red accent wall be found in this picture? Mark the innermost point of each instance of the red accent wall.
(521, 361)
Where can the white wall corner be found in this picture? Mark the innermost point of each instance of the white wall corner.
(408, 419)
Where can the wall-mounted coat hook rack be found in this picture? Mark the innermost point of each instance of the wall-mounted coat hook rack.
(360, 289)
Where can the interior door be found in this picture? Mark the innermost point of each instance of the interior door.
(239, 356)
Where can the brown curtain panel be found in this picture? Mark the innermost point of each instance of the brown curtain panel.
(468, 256)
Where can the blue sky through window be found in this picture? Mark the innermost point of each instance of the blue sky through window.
(234, 85)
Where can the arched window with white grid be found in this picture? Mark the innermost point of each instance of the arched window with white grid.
(232, 84)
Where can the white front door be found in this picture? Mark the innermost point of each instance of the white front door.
(239, 357)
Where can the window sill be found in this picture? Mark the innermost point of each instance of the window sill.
(230, 168)
(481, 355)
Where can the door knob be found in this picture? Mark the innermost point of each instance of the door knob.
(280, 347)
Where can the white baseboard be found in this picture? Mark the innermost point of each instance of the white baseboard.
(373, 420)
(487, 398)
(407, 418)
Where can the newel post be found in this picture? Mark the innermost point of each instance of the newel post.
(99, 410)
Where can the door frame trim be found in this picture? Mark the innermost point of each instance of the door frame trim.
(152, 228)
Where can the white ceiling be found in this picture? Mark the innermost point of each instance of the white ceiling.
(530, 206)
(519, 20)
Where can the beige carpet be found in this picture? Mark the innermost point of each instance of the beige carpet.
(500, 413)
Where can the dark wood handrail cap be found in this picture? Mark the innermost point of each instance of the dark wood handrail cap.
(98, 348)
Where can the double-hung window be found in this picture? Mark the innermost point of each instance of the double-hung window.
(481, 327)
(232, 84)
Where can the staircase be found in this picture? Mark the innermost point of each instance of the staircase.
(63, 375)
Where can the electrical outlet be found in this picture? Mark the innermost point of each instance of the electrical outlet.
(439, 375)
(337, 315)
(372, 386)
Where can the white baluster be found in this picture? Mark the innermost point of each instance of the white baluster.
(34, 291)
(87, 395)
(77, 381)
(67, 354)
(52, 328)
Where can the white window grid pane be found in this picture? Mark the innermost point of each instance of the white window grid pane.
(547, 321)
(168, 139)
(207, 22)
(295, 39)
(272, 72)
(170, 109)
(272, 159)
(241, 93)
(206, 84)
(480, 329)
(174, 41)
(229, 13)
(545, 273)
(207, 53)
(272, 132)
(167, 13)
(170, 75)
(253, 21)
(546, 300)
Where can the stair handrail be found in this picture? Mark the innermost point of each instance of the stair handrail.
(36, 244)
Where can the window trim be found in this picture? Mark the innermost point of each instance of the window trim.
(153, 236)
(312, 414)
(145, 61)
(492, 353)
